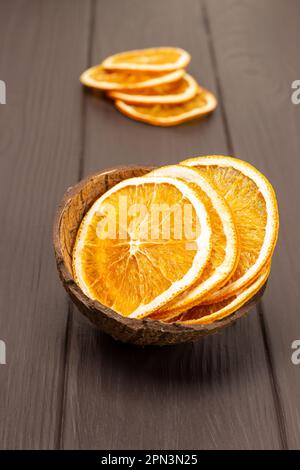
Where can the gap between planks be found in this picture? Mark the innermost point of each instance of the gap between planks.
(69, 327)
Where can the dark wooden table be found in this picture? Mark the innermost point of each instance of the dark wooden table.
(65, 385)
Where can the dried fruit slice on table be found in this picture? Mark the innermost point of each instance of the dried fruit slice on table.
(225, 244)
(203, 103)
(180, 91)
(132, 252)
(253, 203)
(98, 77)
(204, 314)
(159, 59)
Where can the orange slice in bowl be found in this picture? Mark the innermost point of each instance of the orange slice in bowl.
(203, 103)
(169, 93)
(225, 244)
(134, 259)
(204, 314)
(98, 77)
(158, 59)
(253, 203)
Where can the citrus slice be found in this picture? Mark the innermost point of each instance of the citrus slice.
(170, 114)
(253, 203)
(225, 245)
(132, 252)
(169, 93)
(159, 59)
(98, 77)
(204, 314)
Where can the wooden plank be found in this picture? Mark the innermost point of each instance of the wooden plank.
(43, 49)
(213, 394)
(257, 49)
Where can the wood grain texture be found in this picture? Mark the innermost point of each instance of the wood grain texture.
(216, 393)
(43, 50)
(257, 50)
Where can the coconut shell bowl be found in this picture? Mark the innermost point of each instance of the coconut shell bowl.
(76, 202)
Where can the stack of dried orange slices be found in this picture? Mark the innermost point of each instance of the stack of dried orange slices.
(188, 243)
(151, 85)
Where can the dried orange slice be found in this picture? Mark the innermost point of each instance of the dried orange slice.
(170, 114)
(204, 314)
(158, 59)
(98, 77)
(253, 203)
(225, 244)
(134, 259)
(169, 93)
